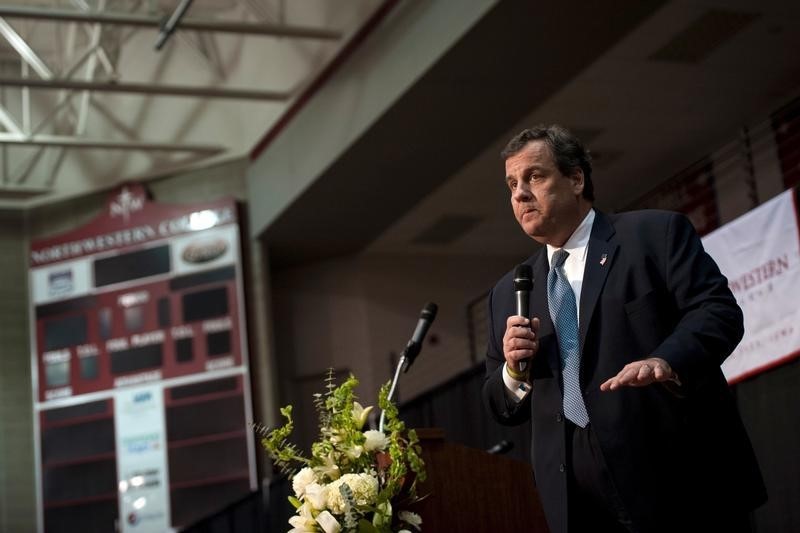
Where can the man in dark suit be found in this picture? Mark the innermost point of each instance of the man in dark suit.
(634, 426)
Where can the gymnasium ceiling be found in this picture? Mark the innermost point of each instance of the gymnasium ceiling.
(87, 101)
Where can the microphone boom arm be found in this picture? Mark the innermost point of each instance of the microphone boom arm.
(393, 388)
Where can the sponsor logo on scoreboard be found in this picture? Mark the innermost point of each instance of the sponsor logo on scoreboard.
(59, 282)
(204, 250)
(142, 443)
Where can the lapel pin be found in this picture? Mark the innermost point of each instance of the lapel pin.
(603, 259)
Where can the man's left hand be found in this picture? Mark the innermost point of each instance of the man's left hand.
(640, 374)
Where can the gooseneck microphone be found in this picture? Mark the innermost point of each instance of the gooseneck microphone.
(414, 346)
(411, 351)
(523, 284)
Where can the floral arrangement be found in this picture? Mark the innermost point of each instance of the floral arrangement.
(354, 480)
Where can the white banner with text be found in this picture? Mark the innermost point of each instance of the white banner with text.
(759, 253)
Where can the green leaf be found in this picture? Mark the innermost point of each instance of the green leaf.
(295, 502)
(365, 527)
(276, 443)
(382, 519)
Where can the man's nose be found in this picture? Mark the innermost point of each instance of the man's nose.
(522, 192)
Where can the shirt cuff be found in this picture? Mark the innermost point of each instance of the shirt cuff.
(516, 390)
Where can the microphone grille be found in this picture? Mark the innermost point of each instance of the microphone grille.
(429, 311)
(523, 278)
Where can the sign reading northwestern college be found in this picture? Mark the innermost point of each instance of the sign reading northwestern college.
(759, 253)
(141, 378)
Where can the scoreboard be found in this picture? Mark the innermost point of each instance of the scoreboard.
(141, 381)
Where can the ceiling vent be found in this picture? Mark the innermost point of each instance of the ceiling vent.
(714, 28)
(447, 229)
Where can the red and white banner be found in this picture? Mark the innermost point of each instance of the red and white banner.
(759, 253)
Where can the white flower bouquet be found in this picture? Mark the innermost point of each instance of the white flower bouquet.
(355, 480)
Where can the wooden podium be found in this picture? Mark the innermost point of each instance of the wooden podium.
(471, 490)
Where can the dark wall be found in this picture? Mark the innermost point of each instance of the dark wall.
(770, 407)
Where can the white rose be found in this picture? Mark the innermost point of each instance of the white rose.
(316, 496)
(375, 440)
(302, 479)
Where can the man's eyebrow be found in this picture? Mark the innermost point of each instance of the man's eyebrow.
(527, 171)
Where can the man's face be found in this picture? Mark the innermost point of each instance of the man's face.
(546, 203)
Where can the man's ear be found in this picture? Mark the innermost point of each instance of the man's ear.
(576, 177)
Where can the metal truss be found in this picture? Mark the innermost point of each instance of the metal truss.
(130, 19)
(93, 69)
(146, 88)
(65, 141)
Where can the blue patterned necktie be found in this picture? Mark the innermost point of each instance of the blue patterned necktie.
(564, 313)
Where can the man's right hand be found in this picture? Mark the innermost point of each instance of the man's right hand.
(520, 342)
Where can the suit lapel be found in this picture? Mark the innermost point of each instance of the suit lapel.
(599, 261)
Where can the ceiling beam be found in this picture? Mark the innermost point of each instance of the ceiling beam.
(77, 142)
(25, 51)
(145, 88)
(168, 28)
(8, 122)
(155, 22)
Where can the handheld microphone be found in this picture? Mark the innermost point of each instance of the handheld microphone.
(523, 284)
(414, 346)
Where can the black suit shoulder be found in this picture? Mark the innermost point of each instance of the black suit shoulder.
(647, 221)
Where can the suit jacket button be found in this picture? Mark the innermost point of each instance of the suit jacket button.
(562, 467)
(559, 418)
